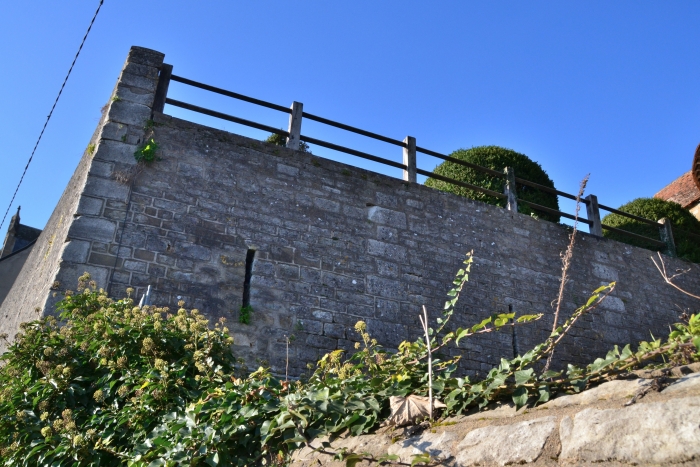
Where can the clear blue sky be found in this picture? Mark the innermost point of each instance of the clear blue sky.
(609, 88)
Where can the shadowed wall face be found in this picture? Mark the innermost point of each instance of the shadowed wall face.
(313, 246)
(327, 245)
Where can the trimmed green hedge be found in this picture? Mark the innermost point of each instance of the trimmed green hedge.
(687, 247)
(497, 158)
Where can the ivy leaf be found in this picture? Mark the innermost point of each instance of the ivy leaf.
(579, 384)
(462, 333)
(528, 318)
(523, 376)
(213, 459)
(352, 460)
(482, 324)
(626, 353)
(550, 374)
(388, 458)
(505, 364)
(421, 458)
(520, 397)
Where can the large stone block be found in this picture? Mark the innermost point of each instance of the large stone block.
(388, 217)
(92, 228)
(106, 188)
(658, 433)
(386, 250)
(518, 443)
(129, 113)
(144, 56)
(116, 151)
(88, 206)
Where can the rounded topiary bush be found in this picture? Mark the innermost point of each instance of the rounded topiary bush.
(654, 209)
(497, 158)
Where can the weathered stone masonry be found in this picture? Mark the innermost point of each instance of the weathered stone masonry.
(332, 244)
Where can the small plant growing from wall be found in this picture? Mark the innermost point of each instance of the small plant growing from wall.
(280, 140)
(147, 153)
(244, 314)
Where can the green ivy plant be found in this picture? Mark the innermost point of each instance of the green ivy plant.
(121, 385)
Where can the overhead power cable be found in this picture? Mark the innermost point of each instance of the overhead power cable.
(51, 113)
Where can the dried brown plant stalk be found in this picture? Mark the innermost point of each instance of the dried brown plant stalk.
(424, 322)
(566, 263)
(669, 280)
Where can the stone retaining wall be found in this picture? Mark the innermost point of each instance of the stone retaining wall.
(325, 245)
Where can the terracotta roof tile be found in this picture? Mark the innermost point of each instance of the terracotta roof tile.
(696, 166)
(682, 190)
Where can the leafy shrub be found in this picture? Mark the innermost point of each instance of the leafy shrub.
(654, 209)
(497, 158)
(119, 385)
(96, 387)
(280, 140)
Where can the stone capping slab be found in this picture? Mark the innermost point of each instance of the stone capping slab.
(618, 389)
(507, 444)
(684, 386)
(660, 432)
(438, 445)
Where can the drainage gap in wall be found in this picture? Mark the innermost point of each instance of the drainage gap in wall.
(249, 257)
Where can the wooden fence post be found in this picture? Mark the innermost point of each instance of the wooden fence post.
(162, 89)
(593, 214)
(509, 190)
(295, 125)
(409, 159)
(667, 236)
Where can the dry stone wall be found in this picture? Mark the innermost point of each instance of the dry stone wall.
(317, 245)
